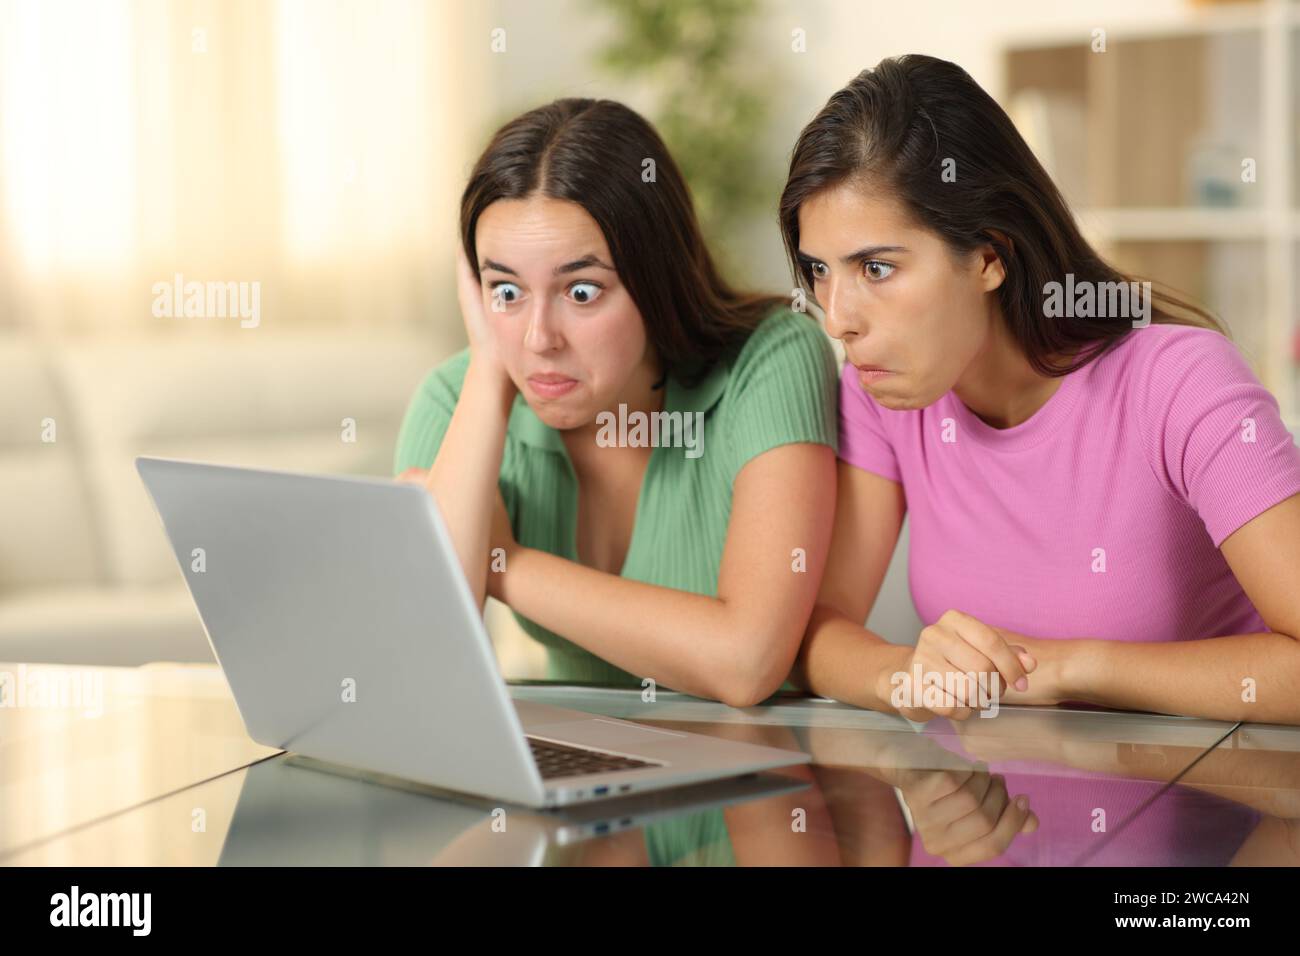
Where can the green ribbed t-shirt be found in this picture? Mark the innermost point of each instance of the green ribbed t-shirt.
(780, 387)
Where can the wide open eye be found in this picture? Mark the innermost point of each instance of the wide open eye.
(585, 292)
(506, 293)
(877, 270)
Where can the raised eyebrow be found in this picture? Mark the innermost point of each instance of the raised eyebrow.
(591, 259)
(497, 267)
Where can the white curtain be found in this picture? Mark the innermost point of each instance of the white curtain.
(314, 148)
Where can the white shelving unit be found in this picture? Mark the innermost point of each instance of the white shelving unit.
(1270, 223)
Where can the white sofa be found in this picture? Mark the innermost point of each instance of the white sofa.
(86, 576)
(85, 572)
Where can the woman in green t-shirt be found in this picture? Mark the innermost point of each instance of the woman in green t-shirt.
(630, 453)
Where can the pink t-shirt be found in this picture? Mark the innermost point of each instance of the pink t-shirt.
(1101, 515)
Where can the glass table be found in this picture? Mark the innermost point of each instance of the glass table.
(166, 775)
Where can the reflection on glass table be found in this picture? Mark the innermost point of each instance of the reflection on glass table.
(1103, 788)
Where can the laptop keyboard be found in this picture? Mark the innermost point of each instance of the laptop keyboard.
(557, 760)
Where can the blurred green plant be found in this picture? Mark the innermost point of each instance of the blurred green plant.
(710, 111)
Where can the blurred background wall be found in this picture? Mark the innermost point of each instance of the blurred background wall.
(227, 226)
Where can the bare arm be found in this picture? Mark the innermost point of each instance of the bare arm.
(1206, 678)
(463, 477)
(737, 647)
(840, 657)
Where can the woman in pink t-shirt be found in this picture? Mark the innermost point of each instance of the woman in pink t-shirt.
(1102, 498)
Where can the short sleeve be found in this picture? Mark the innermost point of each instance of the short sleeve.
(781, 389)
(429, 413)
(864, 442)
(1213, 434)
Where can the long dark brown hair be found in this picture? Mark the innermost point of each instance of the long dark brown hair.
(894, 126)
(593, 152)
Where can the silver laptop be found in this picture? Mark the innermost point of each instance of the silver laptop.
(338, 610)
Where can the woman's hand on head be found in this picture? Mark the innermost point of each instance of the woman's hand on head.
(469, 294)
(947, 653)
(487, 374)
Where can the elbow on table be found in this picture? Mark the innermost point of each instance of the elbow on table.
(756, 674)
(741, 696)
